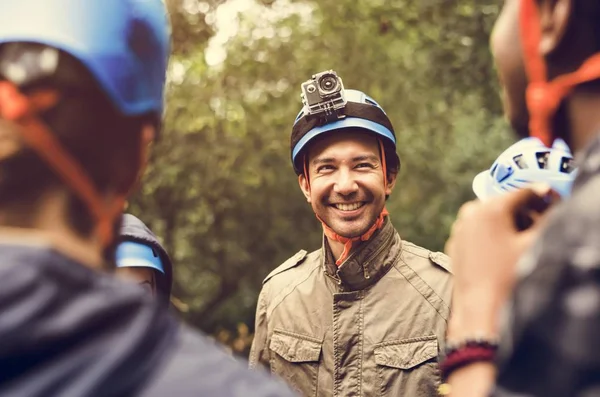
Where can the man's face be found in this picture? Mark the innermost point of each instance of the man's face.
(141, 275)
(507, 52)
(346, 182)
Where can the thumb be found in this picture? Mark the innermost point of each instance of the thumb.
(534, 197)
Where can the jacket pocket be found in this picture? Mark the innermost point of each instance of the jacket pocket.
(295, 358)
(408, 367)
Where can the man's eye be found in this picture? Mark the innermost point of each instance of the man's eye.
(324, 168)
(364, 165)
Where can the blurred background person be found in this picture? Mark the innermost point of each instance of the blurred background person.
(141, 258)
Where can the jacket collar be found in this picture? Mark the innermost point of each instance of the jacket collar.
(368, 262)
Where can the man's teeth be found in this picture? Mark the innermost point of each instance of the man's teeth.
(349, 207)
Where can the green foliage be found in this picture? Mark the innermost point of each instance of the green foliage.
(221, 191)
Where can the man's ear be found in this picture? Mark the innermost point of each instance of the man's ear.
(305, 186)
(555, 16)
(391, 182)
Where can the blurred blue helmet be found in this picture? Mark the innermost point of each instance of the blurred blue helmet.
(134, 254)
(528, 161)
(358, 117)
(125, 44)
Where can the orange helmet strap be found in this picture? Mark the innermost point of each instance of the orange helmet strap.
(16, 107)
(543, 96)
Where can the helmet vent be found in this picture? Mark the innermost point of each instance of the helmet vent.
(566, 165)
(542, 159)
(520, 161)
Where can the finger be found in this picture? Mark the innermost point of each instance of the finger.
(531, 197)
(455, 227)
(467, 209)
(527, 239)
(448, 247)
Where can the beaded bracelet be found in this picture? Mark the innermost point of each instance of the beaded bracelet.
(458, 355)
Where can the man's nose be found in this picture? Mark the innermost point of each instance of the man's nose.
(345, 183)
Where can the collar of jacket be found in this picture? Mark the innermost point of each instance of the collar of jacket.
(368, 262)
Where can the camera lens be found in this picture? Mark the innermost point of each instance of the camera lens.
(328, 84)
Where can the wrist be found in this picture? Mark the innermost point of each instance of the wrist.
(461, 356)
(473, 318)
(466, 353)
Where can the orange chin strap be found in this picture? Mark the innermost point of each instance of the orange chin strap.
(543, 96)
(23, 110)
(347, 241)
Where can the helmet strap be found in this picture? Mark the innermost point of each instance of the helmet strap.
(23, 110)
(543, 96)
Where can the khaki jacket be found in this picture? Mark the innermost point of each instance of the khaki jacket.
(372, 327)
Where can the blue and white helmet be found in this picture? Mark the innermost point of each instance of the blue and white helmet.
(362, 112)
(125, 44)
(140, 247)
(135, 254)
(528, 161)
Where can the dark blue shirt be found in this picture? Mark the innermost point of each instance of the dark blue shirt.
(551, 346)
(66, 330)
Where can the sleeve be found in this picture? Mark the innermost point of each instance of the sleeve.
(554, 319)
(199, 366)
(259, 351)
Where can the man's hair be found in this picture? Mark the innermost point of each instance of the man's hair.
(392, 161)
(102, 140)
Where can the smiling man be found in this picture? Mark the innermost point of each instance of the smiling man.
(364, 315)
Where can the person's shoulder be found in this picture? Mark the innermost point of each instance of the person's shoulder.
(199, 366)
(582, 204)
(299, 262)
(429, 273)
(576, 221)
(584, 200)
(421, 258)
(571, 234)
